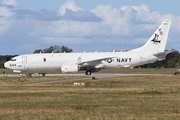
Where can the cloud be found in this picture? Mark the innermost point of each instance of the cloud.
(81, 16)
(13, 3)
(5, 18)
(69, 4)
(45, 15)
(105, 27)
(41, 15)
(5, 12)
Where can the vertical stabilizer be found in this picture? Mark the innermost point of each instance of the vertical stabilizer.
(157, 41)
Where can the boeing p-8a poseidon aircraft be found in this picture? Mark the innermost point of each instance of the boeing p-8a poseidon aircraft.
(152, 51)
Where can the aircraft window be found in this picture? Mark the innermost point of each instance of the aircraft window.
(13, 60)
(44, 59)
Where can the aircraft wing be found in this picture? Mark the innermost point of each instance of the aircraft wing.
(92, 63)
(162, 55)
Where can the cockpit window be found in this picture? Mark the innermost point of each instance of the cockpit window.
(13, 60)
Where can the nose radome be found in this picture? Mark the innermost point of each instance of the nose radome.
(5, 65)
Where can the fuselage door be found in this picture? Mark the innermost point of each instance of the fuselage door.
(24, 60)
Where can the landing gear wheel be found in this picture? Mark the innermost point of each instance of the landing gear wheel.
(88, 72)
(43, 74)
(93, 78)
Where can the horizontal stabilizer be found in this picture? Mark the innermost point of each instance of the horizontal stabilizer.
(162, 55)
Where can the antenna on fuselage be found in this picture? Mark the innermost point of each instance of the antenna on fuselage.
(122, 49)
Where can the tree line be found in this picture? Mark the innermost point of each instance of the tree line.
(51, 49)
(5, 58)
(54, 49)
(171, 59)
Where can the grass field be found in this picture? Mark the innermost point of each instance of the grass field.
(134, 98)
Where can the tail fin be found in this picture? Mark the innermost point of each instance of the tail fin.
(157, 41)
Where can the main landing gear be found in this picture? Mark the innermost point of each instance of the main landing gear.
(89, 73)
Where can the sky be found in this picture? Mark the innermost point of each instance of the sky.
(96, 25)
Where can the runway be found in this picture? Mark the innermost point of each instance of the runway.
(86, 77)
(97, 76)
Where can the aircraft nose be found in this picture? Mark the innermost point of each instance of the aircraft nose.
(5, 64)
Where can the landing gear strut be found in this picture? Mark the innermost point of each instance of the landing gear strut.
(43, 74)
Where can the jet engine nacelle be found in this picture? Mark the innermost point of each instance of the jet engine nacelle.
(69, 68)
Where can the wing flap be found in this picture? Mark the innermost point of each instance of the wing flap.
(92, 63)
